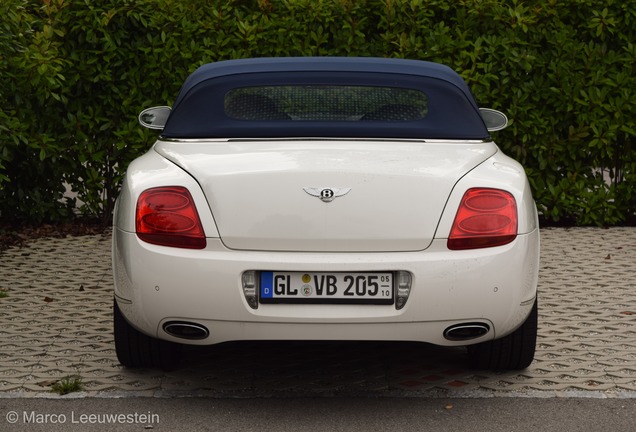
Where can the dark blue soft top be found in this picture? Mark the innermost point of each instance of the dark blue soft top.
(325, 97)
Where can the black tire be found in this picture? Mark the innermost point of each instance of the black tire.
(137, 350)
(512, 352)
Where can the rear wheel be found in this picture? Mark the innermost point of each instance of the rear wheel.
(515, 351)
(137, 350)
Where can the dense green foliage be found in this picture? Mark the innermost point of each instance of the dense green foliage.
(75, 73)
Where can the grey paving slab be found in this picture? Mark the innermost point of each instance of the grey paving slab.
(56, 322)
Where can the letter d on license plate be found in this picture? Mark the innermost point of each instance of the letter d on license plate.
(308, 287)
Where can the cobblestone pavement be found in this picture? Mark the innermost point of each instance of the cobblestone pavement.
(56, 321)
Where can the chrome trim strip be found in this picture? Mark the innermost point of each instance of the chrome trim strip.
(227, 140)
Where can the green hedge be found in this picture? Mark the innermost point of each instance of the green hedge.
(75, 73)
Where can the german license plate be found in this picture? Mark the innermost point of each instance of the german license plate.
(337, 287)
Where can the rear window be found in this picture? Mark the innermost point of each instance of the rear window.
(323, 103)
(347, 103)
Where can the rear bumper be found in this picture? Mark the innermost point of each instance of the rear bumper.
(495, 286)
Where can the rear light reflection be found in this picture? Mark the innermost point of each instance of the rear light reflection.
(167, 216)
(485, 218)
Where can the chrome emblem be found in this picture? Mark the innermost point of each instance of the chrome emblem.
(327, 194)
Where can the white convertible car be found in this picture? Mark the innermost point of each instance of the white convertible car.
(325, 199)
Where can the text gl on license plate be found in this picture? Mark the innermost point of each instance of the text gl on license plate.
(301, 287)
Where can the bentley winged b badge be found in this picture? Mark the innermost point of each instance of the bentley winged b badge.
(327, 194)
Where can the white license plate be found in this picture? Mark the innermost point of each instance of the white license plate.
(337, 287)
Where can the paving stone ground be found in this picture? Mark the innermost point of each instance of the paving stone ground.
(56, 322)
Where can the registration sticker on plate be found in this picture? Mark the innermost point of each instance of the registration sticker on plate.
(337, 287)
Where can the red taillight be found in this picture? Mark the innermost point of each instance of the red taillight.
(167, 216)
(485, 218)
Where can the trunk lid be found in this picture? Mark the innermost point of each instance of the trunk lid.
(265, 195)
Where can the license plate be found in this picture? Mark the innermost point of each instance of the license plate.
(307, 287)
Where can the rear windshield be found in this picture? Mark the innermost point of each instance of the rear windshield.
(326, 103)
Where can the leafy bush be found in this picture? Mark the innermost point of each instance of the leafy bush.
(31, 169)
(75, 73)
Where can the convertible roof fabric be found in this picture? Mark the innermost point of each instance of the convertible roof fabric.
(200, 108)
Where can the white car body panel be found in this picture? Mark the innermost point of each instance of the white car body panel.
(255, 190)
(495, 286)
(205, 287)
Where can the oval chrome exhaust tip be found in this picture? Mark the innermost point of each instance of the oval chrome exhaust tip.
(186, 330)
(466, 331)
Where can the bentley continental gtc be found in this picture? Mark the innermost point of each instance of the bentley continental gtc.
(343, 199)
